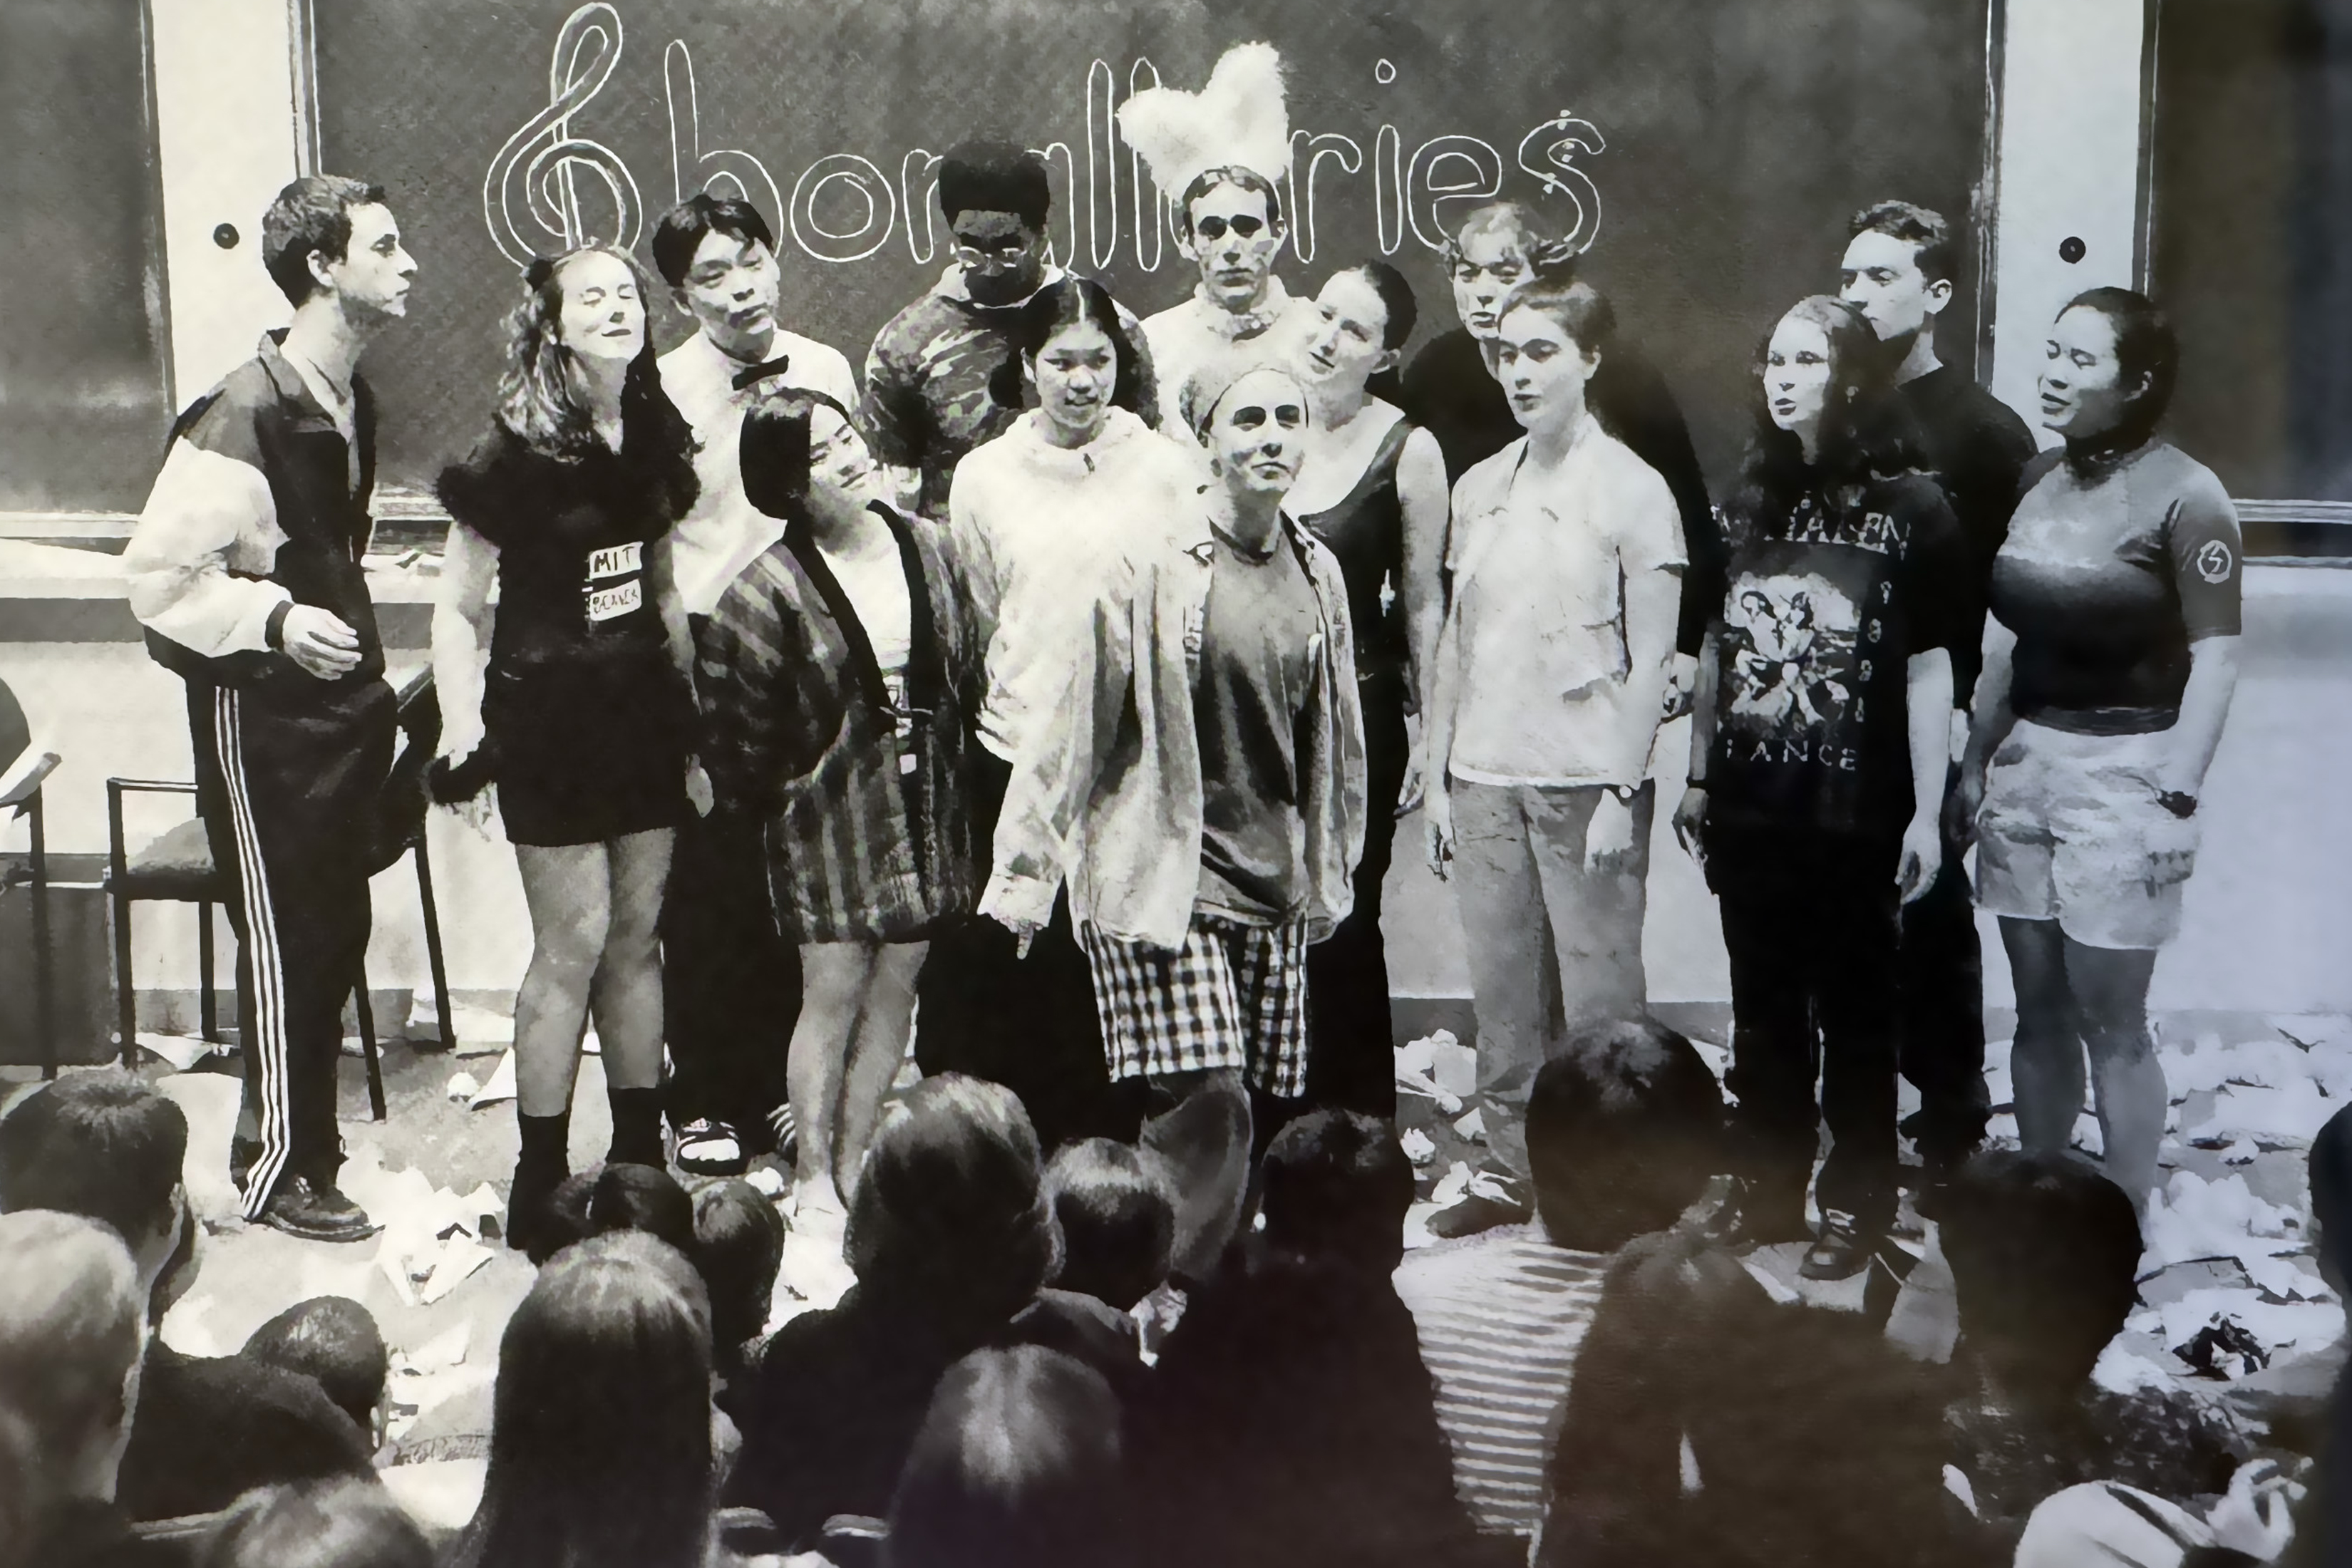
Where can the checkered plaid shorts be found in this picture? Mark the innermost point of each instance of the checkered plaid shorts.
(1233, 997)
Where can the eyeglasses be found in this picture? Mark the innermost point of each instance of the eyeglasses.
(996, 253)
(1214, 228)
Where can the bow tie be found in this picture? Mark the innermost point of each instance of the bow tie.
(748, 375)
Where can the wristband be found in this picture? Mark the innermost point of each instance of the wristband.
(1698, 785)
(274, 632)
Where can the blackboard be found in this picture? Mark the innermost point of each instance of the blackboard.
(1714, 149)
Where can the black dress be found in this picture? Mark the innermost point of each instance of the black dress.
(588, 721)
(1350, 1063)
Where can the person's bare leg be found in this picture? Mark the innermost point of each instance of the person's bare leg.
(626, 994)
(568, 889)
(876, 1050)
(2045, 1060)
(833, 978)
(2110, 989)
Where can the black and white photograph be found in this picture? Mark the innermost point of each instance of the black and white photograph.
(1175, 783)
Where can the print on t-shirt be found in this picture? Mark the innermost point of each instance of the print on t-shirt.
(1791, 641)
(624, 560)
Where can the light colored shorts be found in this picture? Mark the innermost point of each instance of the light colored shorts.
(2071, 830)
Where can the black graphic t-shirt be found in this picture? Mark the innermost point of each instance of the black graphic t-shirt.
(1819, 620)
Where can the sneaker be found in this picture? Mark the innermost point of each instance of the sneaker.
(1842, 1250)
(316, 1214)
(706, 1147)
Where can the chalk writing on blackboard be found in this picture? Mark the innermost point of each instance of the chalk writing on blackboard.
(844, 208)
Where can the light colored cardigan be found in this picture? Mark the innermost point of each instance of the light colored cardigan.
(1108, 794)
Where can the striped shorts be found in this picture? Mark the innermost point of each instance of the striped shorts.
(1233, 997)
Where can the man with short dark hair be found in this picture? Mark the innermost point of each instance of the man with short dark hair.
(107, 1147)
(731, 986)
(1229, 227)
(928, 399)
(1621, 1133)
(245, 568)
(1899, 270)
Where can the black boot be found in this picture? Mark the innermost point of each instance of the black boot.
(636, 1127)
(541, 1167)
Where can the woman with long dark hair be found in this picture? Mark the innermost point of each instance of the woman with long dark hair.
(600, 1429)
(1035, 514)
(2110, 658)
(583, 717)
(1373, 489)
(837, 676)
(1819, 741)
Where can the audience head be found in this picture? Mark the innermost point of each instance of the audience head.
(1622, 1134)
(1550, 342)
(341, 1522)
(2331, 1198)
(106, 1146)
(738, 1245)
(950, 1215)
(2108, 369)
(1899, 270)
(1491, 252)
(73, 1327)
(600, 1435)
(995, 197)
(331, 236)
(334, 1341)
(1073, 348)
(1118, 1219)
(1230, 225)
(1355, 334)
(718, 258)
(2044, 1251)
(642, 1197)
(1336, 1187)
(1017, 1464)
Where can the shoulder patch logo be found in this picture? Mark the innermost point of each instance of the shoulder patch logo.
(2215, 560)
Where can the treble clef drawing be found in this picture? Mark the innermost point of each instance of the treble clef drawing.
(1556, 142)
(587, 48)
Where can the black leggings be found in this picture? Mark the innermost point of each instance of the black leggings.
(1350, 1034)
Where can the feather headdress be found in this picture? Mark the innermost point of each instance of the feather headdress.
(1238, 118)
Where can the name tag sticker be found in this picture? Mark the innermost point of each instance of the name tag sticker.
(617, 561)
(609, 604)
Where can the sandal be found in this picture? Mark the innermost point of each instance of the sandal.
(706, 1147)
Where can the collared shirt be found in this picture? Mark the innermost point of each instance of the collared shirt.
(1185, 338)
(723, 532)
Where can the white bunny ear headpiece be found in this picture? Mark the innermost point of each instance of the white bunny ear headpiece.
(1237, 119)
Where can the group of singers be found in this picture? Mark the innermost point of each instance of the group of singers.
(1052, 691)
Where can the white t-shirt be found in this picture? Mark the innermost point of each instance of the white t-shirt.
(1540, 564)
(724, 532)
(876, 586)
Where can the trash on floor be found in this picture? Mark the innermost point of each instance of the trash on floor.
(501, 1087)
(183, 1051)
(1419, 1147)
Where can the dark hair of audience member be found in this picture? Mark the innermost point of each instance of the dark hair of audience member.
(738, 1245)
(2330, 1169)
(1336, 1187)
(1066, 303)
(600, 1433)
(1623, 1129)
(333, 1340)
(1017, 1464)
(1118, 1219)
(950, 1217)
(642, 1197)
(2145, 347)
(566, 1219)
(340, 1522)
(1866, 433)
(685, 227)
(2043, 1252)
(71, 1328)
(1815, 1441)
(103, 1145)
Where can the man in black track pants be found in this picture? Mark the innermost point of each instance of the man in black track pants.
(245, 570)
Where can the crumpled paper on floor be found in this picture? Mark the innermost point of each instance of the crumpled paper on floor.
(1440, 1067)
(477, 1030)
(2190, 1218)
(432, 1239)
(183, 1051)
(475, 1095)
(1418, 1146)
